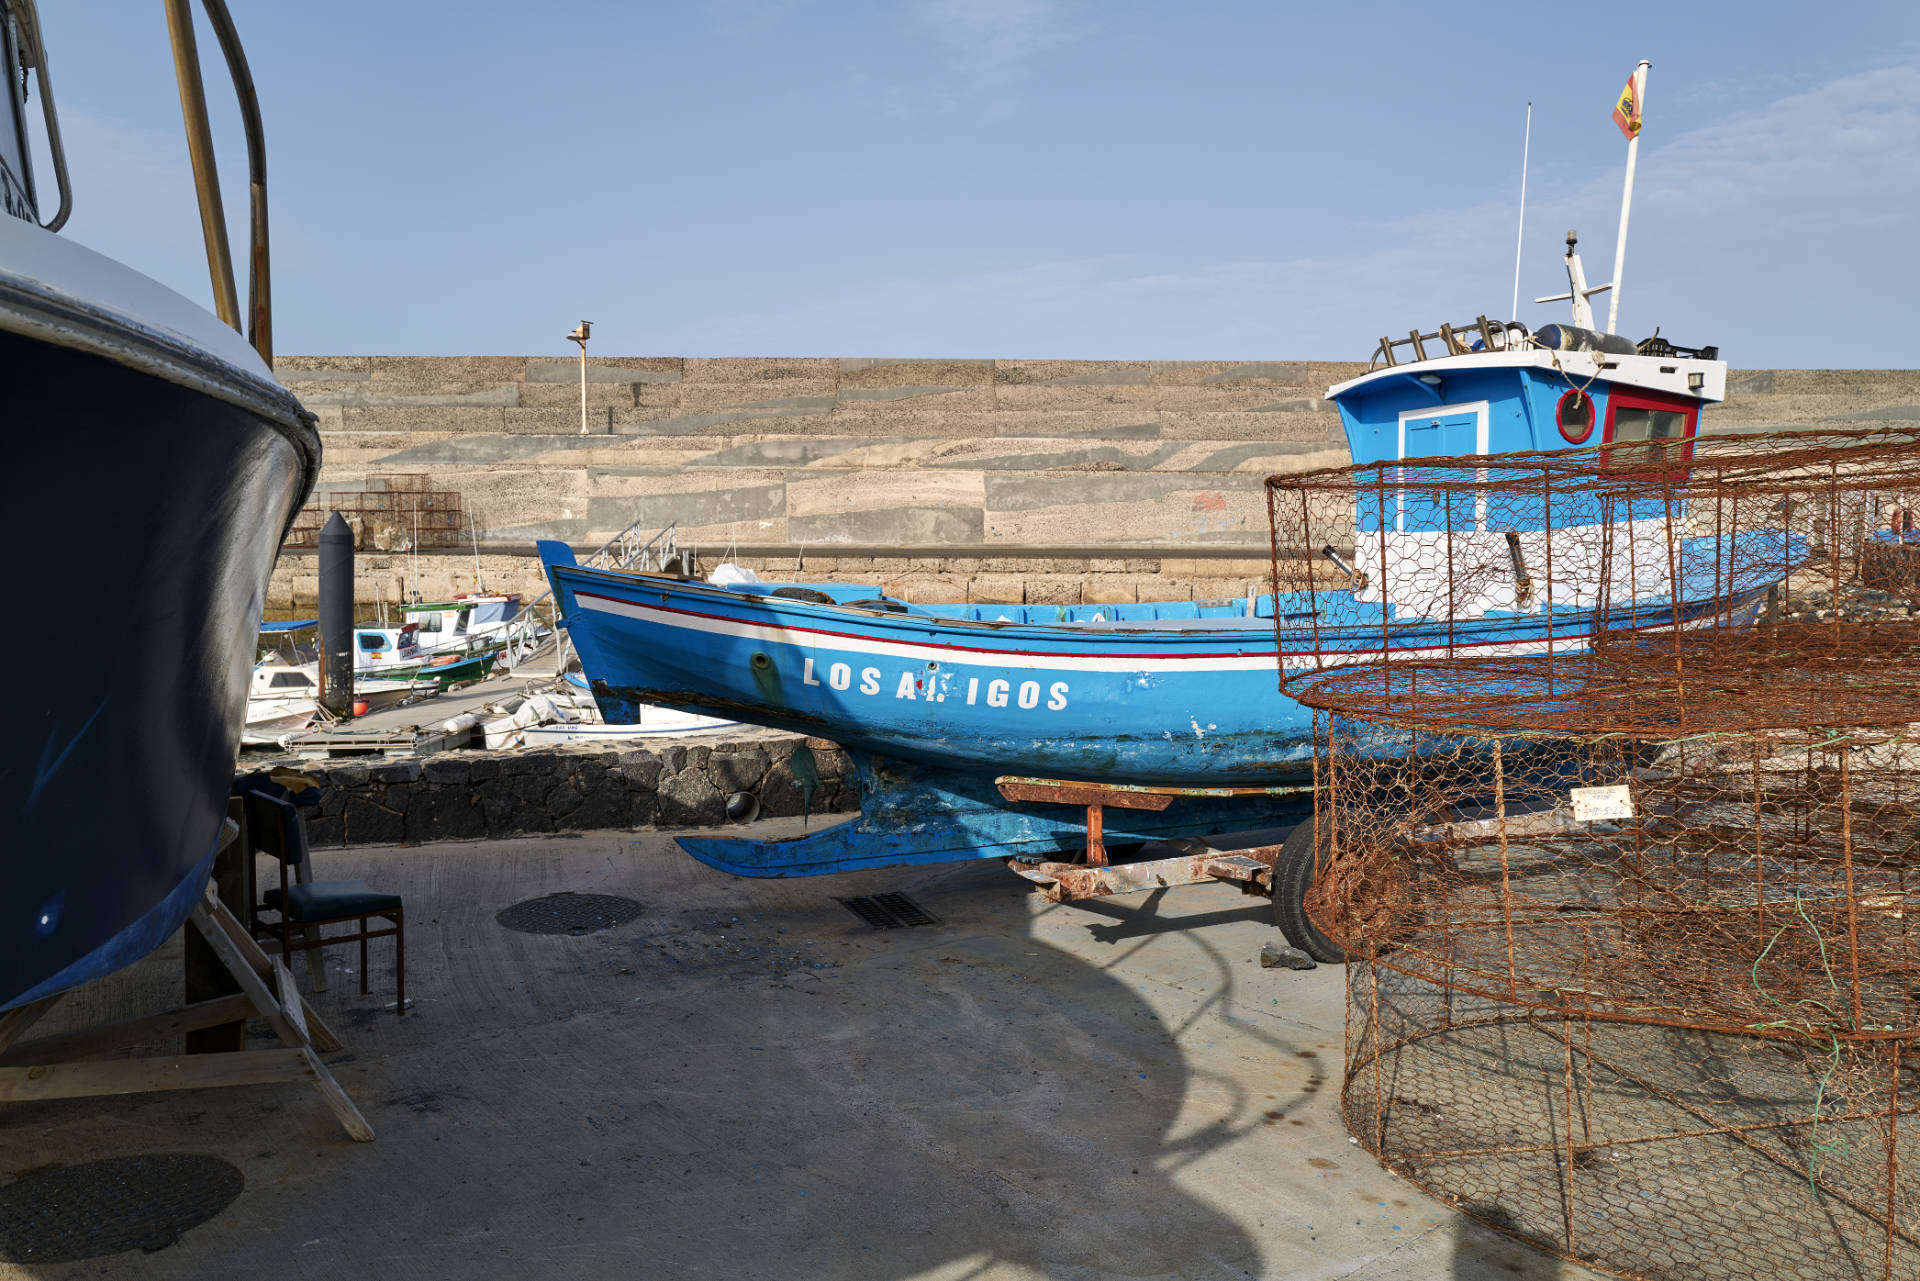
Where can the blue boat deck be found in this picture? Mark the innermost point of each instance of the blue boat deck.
(1235, 609)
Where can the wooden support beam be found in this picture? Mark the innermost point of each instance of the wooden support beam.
(1064, 793)
(136, 1076)
(324, 1038)
(15, 1022)
(227, 937)
(135, 1031)
(266, 987)
(204, 977)
(251, 982)
(290, 1000)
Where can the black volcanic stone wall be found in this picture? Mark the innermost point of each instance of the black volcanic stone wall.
(473, 795)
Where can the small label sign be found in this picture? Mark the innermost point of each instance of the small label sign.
(1600, 804)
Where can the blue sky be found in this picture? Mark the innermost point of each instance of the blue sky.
(1023, 178)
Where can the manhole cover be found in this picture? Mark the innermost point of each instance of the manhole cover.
(889, 911)
(103, 1207)
(569, 914)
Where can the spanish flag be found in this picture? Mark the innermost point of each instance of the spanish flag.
(1626, 112)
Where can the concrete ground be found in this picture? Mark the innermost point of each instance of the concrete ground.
(749, 1082)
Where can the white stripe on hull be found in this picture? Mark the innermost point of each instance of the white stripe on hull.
(806, 638)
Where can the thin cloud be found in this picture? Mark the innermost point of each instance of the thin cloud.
(990, 43)
(1775, 231)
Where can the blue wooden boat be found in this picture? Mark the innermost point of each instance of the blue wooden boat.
(1177, 693)
(154, 462)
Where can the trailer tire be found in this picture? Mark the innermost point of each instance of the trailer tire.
(1292, 878)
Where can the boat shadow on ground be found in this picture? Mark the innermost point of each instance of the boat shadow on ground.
(991, 1097)
(747, 1081)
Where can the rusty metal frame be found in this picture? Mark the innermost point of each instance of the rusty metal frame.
(1098, 876)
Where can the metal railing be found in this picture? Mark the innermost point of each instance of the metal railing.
(626, 552)
(1494, 335)
(258, 326)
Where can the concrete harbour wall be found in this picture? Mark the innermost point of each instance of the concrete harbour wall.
(990, 480)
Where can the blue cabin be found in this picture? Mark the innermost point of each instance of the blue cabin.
(1493, 388)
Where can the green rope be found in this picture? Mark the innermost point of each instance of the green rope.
(1814, 1145)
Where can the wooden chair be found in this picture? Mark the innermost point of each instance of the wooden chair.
(278, 829)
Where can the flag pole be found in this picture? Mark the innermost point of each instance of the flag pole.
(1520, 235)
(1626, 196)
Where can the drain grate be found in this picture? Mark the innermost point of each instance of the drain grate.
(564, 913)
(889, 911)
(104, 1207)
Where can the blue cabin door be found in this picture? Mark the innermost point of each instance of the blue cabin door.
(1441, 435)
(1448, 431)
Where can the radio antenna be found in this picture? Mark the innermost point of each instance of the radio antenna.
(1520, 236)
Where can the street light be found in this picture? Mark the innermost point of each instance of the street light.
(580, 334)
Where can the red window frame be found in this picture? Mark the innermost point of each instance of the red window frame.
(1620, 397)
(1560, 416)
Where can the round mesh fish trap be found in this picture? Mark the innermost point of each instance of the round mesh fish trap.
(1618, 774)
(1801, 555)
(1712, 557)
(1604, 971)
(1640, 1148)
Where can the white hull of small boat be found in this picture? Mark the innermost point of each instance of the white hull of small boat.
(670, 725)
(268, 719)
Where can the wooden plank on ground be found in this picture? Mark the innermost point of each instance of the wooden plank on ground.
(136, 1076)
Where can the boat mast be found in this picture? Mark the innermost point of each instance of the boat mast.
(1519, 236)
(474, 534)
(1626, 196)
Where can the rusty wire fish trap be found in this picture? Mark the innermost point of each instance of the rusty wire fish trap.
(1460, 556)
(1629, 897)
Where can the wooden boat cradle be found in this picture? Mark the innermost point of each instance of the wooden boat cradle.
(57, 1067)
(1197, 863)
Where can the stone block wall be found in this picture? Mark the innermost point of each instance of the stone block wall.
(989, 480)
(475, 795)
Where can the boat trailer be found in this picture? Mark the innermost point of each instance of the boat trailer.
(1097, 876)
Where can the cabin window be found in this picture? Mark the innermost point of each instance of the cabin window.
(1575, 416)
(372, 643)
(427, 622)
(290, 680)
(1648, 429)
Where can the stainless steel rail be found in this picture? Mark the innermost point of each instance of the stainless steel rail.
(206, 176)
(33, 57)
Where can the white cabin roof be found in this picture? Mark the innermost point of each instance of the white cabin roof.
(1656, 373)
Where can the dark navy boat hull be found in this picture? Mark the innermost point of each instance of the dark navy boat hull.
(142, 521)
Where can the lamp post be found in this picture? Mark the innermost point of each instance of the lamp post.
(580, 334)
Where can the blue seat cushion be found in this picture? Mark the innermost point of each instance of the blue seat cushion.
(333, 900)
